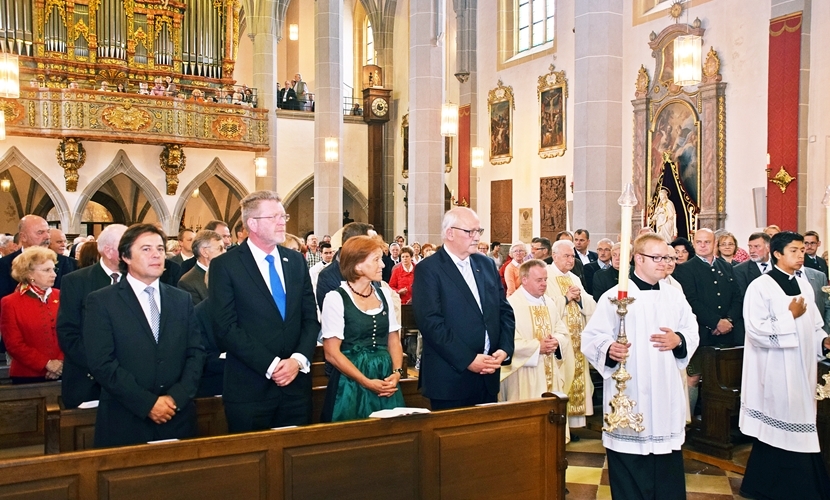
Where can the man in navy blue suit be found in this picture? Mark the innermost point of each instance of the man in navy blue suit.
(466, 322)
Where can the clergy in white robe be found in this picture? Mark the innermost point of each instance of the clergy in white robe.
(784, 341)
(579, 306)
(662, 335)
(543, 358)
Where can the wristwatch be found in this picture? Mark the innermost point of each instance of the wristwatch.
(399, 371)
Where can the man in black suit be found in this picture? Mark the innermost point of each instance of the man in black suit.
(143, 347)
(390, 260)
(540, 249)
(466, 323)
(581, 241)
(758, 263)
(77, 384)
(606, 279)
(603, 262)
(265, 317)
(206, 245)
(330, 277)
(287, 98)
(186, 252)
(811, 256)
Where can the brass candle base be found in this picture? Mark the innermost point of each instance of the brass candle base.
(823, 391)
(622, 407)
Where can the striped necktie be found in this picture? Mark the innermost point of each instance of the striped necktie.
(155, 315)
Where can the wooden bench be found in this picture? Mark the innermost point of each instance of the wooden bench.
(823, 417)
(74, 429)
(720, 394)
(503, 451)
(23, 412)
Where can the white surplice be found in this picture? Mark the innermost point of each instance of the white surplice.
(525, 378)
(656, 384)
(781, 354)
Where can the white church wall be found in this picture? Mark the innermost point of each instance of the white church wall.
(818, 122)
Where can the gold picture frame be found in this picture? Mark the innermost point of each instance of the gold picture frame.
(501, 105)
(552, 94)
(405, 141)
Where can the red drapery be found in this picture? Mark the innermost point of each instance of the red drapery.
(464, 153)
(782, 117)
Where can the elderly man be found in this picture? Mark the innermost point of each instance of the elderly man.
(77, 385)
(57, 241)
(603, 261)
(466, 323)
(207, 245)
(312, 256)
(662, 336)
(34, 232)
(758, 263)
(543, 355)
(579, 306)
(390, 260)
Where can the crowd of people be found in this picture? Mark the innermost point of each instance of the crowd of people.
(144, 325)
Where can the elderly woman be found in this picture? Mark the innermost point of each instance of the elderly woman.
(518, 252)
(361, 337)
(416, 252)
(403, 275)
(28, 317)
(684, 249)
(427, 250)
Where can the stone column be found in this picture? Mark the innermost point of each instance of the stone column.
(426, 145)
(467, 75)
(598, 117)
(328, 115)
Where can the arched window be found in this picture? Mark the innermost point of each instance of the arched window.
(535, 25)
(370, 43)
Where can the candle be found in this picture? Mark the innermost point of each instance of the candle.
(768, 162)
(627, 202)
(826, 202)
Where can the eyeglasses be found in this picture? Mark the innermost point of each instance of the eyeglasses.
(470, 232)
(660, 258)
(284, 217)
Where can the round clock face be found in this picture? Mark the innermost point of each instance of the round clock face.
(380, 107)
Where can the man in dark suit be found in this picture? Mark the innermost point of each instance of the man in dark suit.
(265, 317)
(811, 256)
(77, 384)
(540, 249)
(206, 245)
(606, 279)
(758, 263)
(330, 277)
(143, 347)
(581, 241)
(288, 98)
(466, 323)
(390, 260)
(186, 252)
(603, 262)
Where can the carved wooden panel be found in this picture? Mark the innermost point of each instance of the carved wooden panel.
(58, 488)
(553, 208)
(501, 211)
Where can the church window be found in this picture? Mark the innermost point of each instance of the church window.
(535, 23)
(370, 43)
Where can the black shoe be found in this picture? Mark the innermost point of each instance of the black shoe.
(574, 438)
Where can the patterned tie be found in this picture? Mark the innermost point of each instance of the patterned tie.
(277, 292)
(155, 316)
(798, 273)
(764, 267)
(114, 277)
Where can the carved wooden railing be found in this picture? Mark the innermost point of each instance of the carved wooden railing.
(117, 117)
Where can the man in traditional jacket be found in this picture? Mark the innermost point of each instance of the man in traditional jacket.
(662, 335)
(543, 358)
(579, 306)
(784, 342)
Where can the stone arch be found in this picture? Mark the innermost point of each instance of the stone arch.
(14, 158)
(348, 186)
(121, 164)
(217, 169)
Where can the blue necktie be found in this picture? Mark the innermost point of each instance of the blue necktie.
(277, 291)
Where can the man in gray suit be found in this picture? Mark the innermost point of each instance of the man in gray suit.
(207, 244)
(818, 280)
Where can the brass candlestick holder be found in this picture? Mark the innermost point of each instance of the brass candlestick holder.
(622, 407)
(823, 391)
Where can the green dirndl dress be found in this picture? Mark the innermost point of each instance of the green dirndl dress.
(364, 344)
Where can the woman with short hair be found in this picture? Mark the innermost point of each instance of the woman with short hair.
(403, 275)
(518, 252)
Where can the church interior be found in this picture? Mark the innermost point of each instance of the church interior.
(534, 113)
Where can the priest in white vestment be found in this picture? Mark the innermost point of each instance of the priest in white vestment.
(662, 334)
(784, 341)
(579, 306)
(543, 356)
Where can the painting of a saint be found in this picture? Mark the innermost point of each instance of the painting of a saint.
(552, 121)
(500, 129)
(677, 132)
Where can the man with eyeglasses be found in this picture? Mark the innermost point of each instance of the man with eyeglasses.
(540, 249)
(466, 323)
(662, 336)
(811, 257)
(579, 306)
(603, 261)
(264, 314)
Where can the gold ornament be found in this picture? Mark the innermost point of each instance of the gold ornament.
(71, 156)
(172, 161)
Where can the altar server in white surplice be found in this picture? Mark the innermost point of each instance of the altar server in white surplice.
(543, 358)
(784, 340)
(662, 334)
(579, 305)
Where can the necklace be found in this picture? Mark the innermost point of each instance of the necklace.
(368, 294)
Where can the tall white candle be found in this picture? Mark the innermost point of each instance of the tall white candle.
(627, 202)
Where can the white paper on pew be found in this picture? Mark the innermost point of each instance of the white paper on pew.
(491, 404)
(223, 355)
(163, 441)
(397, 412)
(283, 427)
(88, 404)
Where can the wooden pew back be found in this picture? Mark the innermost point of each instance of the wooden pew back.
(23, 412)
(720, 394)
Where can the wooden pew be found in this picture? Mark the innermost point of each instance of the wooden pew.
(504, 451)
(720, 394)
(23, 412)
(823, 416)
(74, 429)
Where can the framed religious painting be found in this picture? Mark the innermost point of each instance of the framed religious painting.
(552, 93)
(675, 136)
(501, 105)
(405, 141)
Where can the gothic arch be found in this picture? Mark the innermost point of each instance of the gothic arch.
(14, 158)
(348, 186)
(121, 164)
(217, 169)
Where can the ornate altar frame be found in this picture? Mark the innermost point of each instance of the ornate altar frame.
(500, 108)
(548, 87)
(707, 102)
